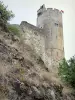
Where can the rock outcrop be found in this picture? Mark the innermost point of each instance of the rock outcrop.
(23, 73)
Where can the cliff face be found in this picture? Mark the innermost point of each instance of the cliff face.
(23, 73)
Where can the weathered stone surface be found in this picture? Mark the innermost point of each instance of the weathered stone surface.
(26, 68)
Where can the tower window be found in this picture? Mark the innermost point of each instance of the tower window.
(56, 24)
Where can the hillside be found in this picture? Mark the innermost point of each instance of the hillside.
(23, 73)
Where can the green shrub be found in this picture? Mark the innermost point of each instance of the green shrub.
(5, 15)
(14, 30)
(67, 71)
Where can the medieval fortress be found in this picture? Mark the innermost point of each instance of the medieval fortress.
(46, 38)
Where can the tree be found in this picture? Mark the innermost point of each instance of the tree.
(5, 15)
(67, 70)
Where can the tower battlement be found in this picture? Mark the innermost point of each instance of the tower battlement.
(54, 9)
(43, 9)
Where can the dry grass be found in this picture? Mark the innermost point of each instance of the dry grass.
(51, 77)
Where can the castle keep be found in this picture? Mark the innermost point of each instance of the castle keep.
(46, 39)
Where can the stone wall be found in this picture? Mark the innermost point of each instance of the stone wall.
(34, 37)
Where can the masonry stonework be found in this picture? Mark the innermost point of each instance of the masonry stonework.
(46, 39)
(34, 37)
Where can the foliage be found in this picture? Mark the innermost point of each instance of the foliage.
(67, 70)
(5, 15)
(14, 30)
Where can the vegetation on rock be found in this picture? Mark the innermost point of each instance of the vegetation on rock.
(14, 30)
(67, 71)
(5, 15)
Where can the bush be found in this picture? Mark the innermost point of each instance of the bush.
(5, 15)
(67, 71)
(14, 30)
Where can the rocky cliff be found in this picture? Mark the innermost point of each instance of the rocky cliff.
(24, 74)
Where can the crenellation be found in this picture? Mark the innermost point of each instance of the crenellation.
(50, 9)
(56, 10)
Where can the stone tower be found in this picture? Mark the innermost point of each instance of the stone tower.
(50, 20)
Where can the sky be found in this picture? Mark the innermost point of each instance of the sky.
(26, 10)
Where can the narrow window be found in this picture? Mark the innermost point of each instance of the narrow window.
(56, 24)
(56, 36)
(57, 53)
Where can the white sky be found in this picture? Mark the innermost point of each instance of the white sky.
(26, 10)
